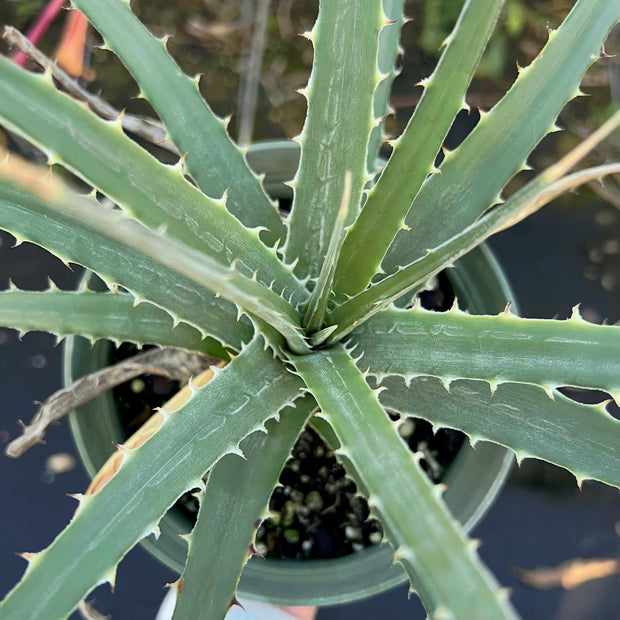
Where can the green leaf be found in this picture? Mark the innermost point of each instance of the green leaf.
(96, 316)
(337, 128)
(583, 439)
(319, 299)
(247, 293)
(501, 348)
(78, 237)
(473, 175)
(413, 157)
(235, 499)
(387, 53)
(156, 194)
(213, 160)
(523, 203)
(238, 401)
(442, 565)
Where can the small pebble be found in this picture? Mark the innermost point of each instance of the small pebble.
(375, 537)
(137, 386)
(288, 514)
(331, 488)
(609, 281)
(406, 428)
(291, 535)
(357, 503)
(303, 511)
(612, 247)
(38, 361)
(314, 500)
(60, 463)
(297, 496)
(352, 533)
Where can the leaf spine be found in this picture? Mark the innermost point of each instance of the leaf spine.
(30, 557)
(109, 577)
(549, 390)
(404, 553)
(443, 613)
(176, 585)
(474, 543)
(234, 602)
(152, 530)
(576, 314)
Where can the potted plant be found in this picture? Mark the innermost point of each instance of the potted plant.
(313, 311)
(473, 478)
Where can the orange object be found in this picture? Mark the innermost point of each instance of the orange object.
(70, 52)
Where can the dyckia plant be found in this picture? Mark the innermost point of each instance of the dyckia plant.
(313, 313)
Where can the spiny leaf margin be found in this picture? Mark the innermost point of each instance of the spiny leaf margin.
(212, 158)
(236, 496)
(252, 389)
(499, 142)
(582, 439)
(498, 349)
(442, 565)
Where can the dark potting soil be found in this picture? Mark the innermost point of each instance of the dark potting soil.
(318, 513)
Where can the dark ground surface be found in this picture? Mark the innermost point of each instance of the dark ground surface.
(540, 519)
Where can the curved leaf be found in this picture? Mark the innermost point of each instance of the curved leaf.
(583, 439)
(212, 159)
(473, 175)
(413, 157)
(156, 194)
(500, 348)
(337, 128)
(247, 293)
(96, 316)
(183, 445)
(442, 565)
(236, 497)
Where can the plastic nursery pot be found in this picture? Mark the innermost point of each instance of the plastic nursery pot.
(474, 478)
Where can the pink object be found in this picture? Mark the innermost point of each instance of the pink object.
(39, 28)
